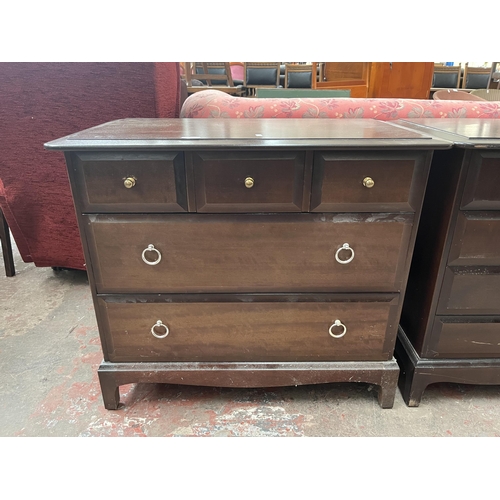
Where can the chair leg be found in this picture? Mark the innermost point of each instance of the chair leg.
(8, 257)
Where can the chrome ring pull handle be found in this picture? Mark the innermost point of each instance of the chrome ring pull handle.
(337, 323)
(157, 325)
(151, 248)
(345, 246)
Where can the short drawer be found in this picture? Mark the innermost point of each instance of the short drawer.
(249, 253)
(481, 191)
(249, 328)
(476, 240)
(251, 181)
(470, 291)
(367, 182)
(465, 337)
(131, 182)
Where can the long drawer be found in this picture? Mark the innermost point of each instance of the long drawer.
(476, 241)
(465, 337)
(473, 291)
(481, 188)
(249, 253)
(249, 328)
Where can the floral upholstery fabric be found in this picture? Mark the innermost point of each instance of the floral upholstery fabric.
(218, 104)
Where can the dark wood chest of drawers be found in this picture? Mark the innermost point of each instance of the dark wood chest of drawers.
(450, 324)
(248, 253)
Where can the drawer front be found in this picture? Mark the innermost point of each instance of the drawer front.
(248, 181)
(476, 240)
(342, 182)
(249, 330)
(156, 182)
(481, 191)
(470, 291)
(466, 337)
(249, 253)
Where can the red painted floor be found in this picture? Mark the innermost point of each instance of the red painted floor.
(50, 351)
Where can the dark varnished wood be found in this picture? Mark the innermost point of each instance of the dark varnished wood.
(476, 240)
(249, 253)
(451, 314)
(248, 293)
(220, 181)
(482, 189)
(469, 133)
(187, 133)
(466, 337)
(383, 374)
(338, 182)
(160, 182)
(471, 290)
(433, 241)
(417, 373)
(251, 329)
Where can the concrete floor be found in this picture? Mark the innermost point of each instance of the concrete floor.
(50, 351)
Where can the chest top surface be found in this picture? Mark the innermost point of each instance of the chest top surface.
(147, 133)
(469, 132)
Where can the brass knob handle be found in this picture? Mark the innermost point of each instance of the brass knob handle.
(129, 182)
(338, 323)
(368, 182)
(249, 182)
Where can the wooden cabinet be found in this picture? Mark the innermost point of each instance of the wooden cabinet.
(399, 80)
(450, 324)
(353, 76)
(248, 253)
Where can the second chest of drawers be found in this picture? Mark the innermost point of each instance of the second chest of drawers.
(450, 325)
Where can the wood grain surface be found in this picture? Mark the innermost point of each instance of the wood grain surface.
(250, 331)
(249, 253)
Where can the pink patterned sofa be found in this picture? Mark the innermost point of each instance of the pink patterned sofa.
(217, 104)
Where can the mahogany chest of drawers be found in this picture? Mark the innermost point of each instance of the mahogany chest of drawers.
(450, 324)
(248, 253)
